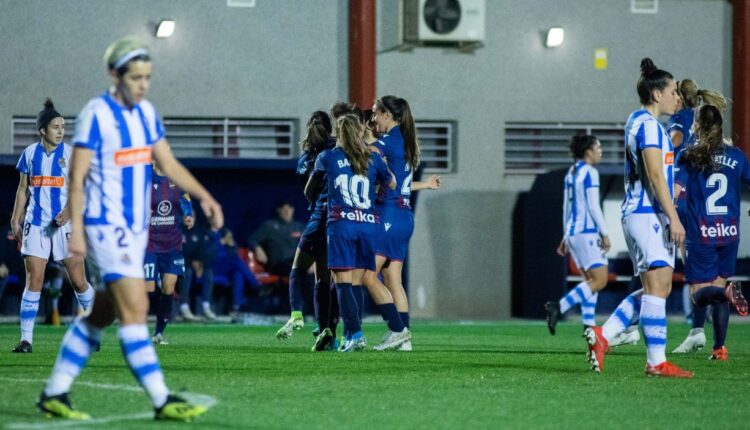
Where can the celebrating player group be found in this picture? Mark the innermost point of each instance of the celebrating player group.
(682, 194)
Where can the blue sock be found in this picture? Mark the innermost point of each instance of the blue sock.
(207, 285)
(296, 280)
(391, 317)
(349, 311)
(721, 323)
(163, 313)
(405, 319)
(322, 304)
(710, 296)
(186, 284)
(334, 314)
(359, 294)
(715, 296)
(699, 316)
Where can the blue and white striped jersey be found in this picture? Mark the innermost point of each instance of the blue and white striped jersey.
(581, 213)
(47, 180)
(643, 131)
(118, 185)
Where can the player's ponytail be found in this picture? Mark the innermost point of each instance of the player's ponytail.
(401, 112)
(714, 98)
(692, 96)
(652, 78)
(710, 139)
(349, 131)
(318, 132)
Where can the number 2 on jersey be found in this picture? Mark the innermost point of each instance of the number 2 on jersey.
(355, 190)
(716, 180)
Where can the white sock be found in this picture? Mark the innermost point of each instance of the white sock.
(577, 295)
(588, 310)
(654, 323)
(623, 316)
(141, 357)
(74, 353)
(29, 309)
(86, 298)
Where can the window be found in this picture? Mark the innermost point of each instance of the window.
(533, 148)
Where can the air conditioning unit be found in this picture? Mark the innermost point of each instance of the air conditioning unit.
(443, 22)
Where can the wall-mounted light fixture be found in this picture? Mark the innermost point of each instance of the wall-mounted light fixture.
(165, 28)
(555, 37)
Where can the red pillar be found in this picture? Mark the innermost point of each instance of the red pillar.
(741, 74)
(362, 52)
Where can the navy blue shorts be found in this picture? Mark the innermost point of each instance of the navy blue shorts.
(313, 239)
(396, 229)
(704, 263)
(157, 263)
(351, 245)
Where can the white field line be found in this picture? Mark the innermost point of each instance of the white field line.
(196, 398)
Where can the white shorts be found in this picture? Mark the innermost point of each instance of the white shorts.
(586, 250)
(118, 252)
(647, 237)
(45, 241)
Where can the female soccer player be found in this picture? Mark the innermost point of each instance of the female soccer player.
(351, 173)
(585, 235)
(399, 146)
(681, 130)
(117, 133)
(41, 218)
(164, 258)
(710, 172)
(312, 244)
(649, 219)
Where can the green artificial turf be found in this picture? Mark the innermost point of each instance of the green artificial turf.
(504, 375)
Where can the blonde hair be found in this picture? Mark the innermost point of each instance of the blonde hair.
(692, 96)
(120, 49)
(349, 130)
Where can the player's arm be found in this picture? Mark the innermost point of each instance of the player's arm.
(676, 136)
(79, 167)
(562, 248)
(314, 185)
(652, 158)
(595, 211)
(432, 183)
(19, 207)
(181, 177)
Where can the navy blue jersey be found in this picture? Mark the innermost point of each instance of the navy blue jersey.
(682, 121)
(391, 146)
(351, 197)
(168, 206)
(713, 198)
(305, 166)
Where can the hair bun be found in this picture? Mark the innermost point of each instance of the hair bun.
(647, 67)
(48, 104)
